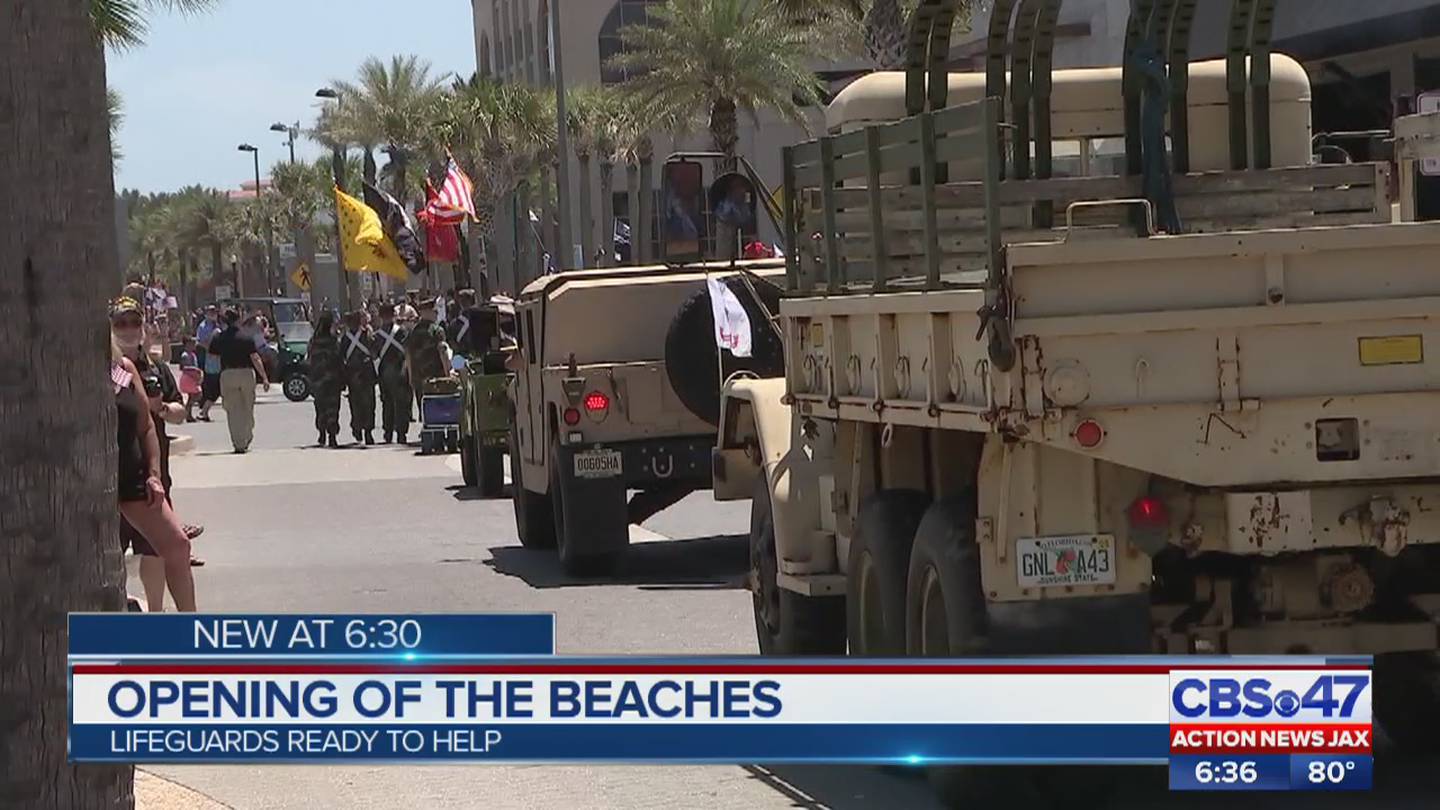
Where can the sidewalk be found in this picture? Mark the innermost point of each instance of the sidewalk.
(156, 793)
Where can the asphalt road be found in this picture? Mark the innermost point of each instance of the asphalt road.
(290, 527)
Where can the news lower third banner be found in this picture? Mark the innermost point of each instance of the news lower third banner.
(490, 689)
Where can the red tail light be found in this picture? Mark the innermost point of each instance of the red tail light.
(572, 417)
(1148, 513)
(596, 402)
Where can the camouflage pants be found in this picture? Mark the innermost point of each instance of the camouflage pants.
(395, 412)
(362, 402)
(327, 405)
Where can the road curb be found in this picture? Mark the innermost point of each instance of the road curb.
(180, 445)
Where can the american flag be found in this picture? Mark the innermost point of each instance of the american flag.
(455, 201)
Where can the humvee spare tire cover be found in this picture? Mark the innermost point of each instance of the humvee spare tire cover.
(691, 353)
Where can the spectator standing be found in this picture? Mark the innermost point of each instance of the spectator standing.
(192, 377)
(140, 476)
(240, 365)
(209, 361)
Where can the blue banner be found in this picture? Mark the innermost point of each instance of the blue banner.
(614, 742)
(261, 636)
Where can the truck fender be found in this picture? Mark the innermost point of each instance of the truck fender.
(759, 434)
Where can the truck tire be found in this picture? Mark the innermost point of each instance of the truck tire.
(945, 617)
(1407, 699)
(787, 623)
(691, 360)
(490, 471)
(534, 521)
(296, 386)
(467, 460)
(945, 602)
(875, 580)
(573, 560)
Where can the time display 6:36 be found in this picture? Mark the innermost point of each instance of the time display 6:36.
(1226, 772)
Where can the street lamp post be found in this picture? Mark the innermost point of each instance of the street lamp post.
(561, 254)
(337, 167)
(291, 131)
(269, 238)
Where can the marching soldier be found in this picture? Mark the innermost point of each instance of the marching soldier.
(390, 368)
(360, 375)
(426, 353)
(326, 378)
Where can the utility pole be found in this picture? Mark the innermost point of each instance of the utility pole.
(269, 265)
(563, 250)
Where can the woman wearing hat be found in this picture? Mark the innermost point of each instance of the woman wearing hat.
(140, 477)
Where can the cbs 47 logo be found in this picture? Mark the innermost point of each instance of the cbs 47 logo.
(1319, 696)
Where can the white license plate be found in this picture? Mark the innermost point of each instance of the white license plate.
(597, 464)
(1069, 559)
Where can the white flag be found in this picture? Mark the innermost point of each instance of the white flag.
(732, 325)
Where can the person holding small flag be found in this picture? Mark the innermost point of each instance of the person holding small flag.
(390, 369)
(359, 360)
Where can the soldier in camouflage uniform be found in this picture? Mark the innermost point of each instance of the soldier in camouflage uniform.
(426, 352)
(394, 384)
(326, 377)
(357, 348)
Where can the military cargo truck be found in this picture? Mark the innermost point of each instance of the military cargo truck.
(1077, 363)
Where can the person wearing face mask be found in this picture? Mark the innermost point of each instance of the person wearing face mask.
(143, 477)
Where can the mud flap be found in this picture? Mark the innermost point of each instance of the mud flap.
(596, 512)
(1104, 625)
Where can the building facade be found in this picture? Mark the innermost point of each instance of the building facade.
(513, 42)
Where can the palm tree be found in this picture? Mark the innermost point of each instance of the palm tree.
(584, 109)
(881, 25)
(58, 438)
(115, 114)
(385, 106)
(205, 221)
(501, 135)
(711, 59)
(122, 24)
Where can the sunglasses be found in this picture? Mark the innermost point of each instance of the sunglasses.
(128, 323)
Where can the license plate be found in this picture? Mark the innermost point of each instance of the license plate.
(1070, 559)
(597, 464)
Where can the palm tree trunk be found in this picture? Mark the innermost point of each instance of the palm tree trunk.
(217, 264)
(632, 205)
(607, 213)
(482, 243)
(725, 133)
(587, 216)
(642, 234)
(57, 413)
(885, 34)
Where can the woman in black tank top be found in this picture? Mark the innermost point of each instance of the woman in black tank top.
(139, 487)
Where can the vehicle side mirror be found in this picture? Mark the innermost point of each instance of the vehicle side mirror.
(682, 222)
(733, 199)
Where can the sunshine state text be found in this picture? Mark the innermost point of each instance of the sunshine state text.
(279, 699)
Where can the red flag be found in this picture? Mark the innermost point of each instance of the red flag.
(442, 240)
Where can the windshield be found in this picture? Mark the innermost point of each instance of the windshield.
(289, 311)
(294, 331)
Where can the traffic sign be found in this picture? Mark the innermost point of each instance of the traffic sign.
(301, 277)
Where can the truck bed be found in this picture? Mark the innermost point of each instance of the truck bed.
(1273, 356)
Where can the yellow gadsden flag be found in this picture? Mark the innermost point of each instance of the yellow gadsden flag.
(364, 247)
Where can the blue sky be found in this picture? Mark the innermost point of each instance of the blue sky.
(202, 85)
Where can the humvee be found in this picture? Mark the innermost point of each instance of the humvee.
(484, 402)
(1066, 376)
(596, 413)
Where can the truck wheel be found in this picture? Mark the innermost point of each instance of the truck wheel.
(945, 603)
(575, 562)
(533, 519)
(1407, 699)
(490, 471)
(467, 460)
(787, 623)
(879, 559)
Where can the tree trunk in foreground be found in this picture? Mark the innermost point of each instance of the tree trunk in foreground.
(59, 548)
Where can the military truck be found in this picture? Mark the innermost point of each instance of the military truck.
(597, 415)
(1069, 373)
(485, 403)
